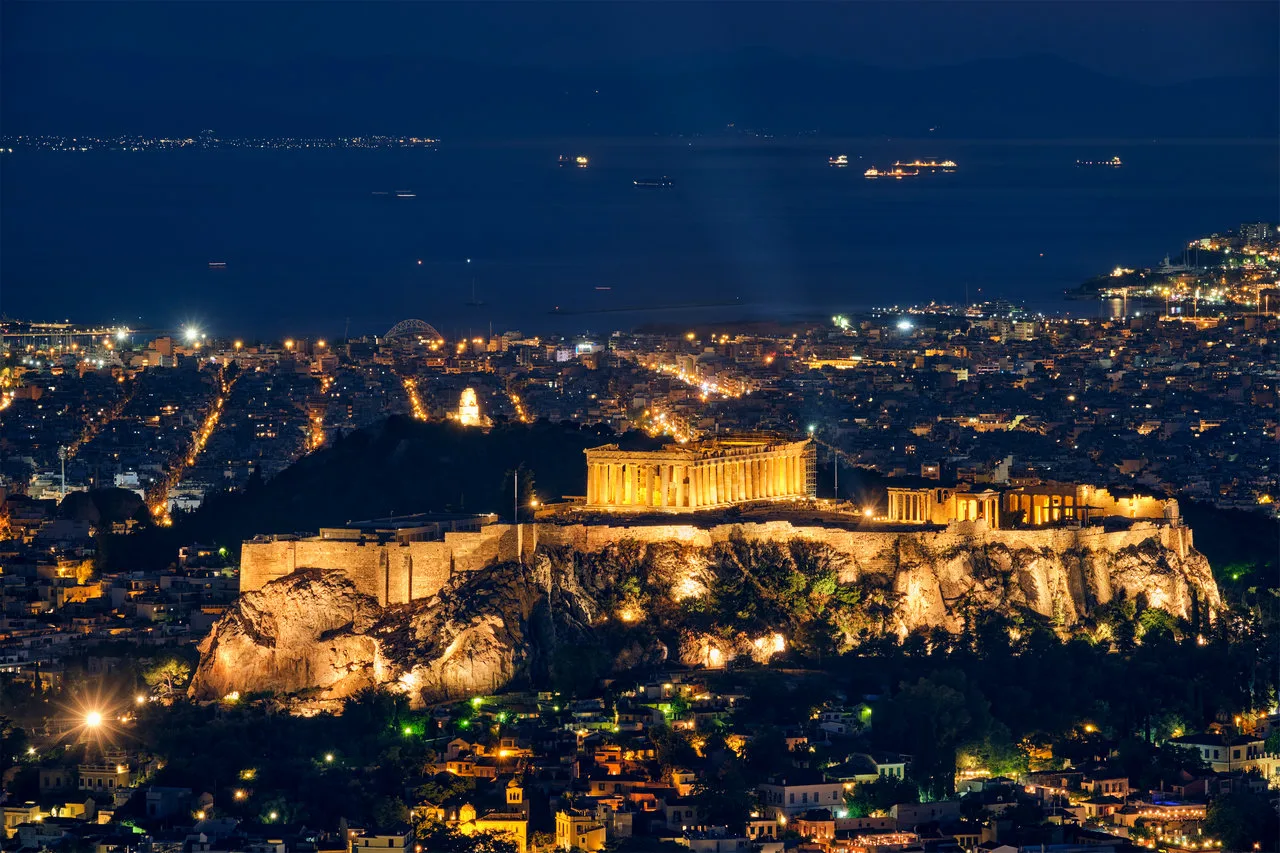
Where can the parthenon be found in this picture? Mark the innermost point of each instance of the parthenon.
(703, 475)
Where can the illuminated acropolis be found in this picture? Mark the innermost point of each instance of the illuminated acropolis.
(704, 475)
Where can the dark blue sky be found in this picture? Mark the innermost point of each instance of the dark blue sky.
(1145, 41)
(1148, 41)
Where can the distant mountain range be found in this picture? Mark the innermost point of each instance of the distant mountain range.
(1029, 97)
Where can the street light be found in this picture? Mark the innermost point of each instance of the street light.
(93, 719)
(191, 333)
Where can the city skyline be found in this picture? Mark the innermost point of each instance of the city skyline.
(699, 427)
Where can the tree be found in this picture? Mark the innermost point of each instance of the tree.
(873, 798)
(439, 838)
(932, 716)
(1240, 820)
(168, 677)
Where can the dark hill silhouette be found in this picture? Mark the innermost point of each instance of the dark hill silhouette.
(102, 506)
(1028, 97)
(397, 467)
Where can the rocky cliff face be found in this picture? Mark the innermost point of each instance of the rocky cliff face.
(578, 614)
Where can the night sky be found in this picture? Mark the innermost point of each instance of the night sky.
(64, 63)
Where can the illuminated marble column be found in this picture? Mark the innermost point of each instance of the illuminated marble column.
(740, 479)
(678, 473)
(664, 482)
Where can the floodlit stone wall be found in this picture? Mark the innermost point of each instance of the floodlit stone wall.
(391, 572)
(1061, 571)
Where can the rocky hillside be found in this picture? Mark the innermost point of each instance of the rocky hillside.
(571, 616)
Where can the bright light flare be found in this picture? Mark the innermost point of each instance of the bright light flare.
(93, 719)
(191, 334)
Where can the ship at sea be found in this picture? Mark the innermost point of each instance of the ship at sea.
(579, 160)
(932, 164)
(652, 182)
(1113, 163)
(896, 172)
(839, 161)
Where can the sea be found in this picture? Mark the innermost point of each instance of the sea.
(495, 235)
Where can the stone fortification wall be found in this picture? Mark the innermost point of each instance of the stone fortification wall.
(390, 572)
(1058, 572)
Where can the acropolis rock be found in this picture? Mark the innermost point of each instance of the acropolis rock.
(473, 615)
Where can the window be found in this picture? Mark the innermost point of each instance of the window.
(804, 798)
(793, 797)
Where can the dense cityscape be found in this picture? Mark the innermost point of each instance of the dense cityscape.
(640, 428)
(110, 434)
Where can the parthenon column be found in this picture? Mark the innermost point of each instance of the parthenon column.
(664, 481)
(740, 479)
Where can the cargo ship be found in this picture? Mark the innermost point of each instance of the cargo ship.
(1113, 163)
(895, 172)
(839, 161)
(931, 164)
(652, 182)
